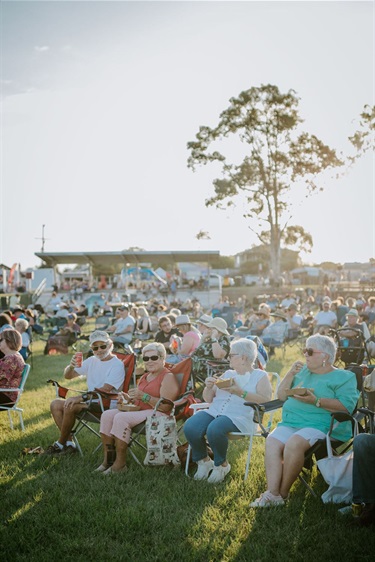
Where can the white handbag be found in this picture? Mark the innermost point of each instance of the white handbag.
(337, 471)
(161, 437)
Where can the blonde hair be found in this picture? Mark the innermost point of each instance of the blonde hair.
(142, 312)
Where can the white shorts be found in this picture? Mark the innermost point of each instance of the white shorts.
(283, 432)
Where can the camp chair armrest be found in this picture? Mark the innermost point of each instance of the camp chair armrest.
(266, 406)
(341, 417)
(104, 394)
(10, 389)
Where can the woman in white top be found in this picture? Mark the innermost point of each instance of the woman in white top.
(227, 411)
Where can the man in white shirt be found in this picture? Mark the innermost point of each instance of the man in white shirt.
(103, 370)
(325, 319)
(123, 328)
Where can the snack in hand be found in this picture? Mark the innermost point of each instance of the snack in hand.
(223, 383)
(298, 391)
(128, 407)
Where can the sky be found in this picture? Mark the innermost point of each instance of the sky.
(99, 101)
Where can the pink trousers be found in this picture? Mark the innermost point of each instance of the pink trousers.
(114, 423)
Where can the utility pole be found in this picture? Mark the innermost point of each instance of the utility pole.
(43, 239)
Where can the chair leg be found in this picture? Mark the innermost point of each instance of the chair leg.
(10, 420)
(248, 457)
(307, 486)
(21, 420)
(187, 461)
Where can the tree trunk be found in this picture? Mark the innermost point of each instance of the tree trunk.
(275, 253)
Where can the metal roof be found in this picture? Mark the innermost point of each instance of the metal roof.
(111, 262)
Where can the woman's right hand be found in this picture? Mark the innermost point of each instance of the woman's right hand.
(295, 368)
(210, 382)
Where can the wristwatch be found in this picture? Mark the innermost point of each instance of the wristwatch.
(317, 403)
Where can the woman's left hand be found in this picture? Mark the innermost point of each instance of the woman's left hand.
(135, 393)
(234, 389)
(309, 398)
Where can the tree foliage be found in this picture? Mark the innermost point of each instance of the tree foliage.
(263, 124)
(363, 139)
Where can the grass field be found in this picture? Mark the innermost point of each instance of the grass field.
(58, 509)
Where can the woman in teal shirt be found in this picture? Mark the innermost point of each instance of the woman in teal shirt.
(305, 419)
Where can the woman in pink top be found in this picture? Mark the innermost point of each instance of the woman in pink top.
(186, 346)
(11, 365)
(116, 426)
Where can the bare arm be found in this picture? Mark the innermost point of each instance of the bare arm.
(69, 372)
(187, 344)
(263, 391)
(287, 381)
(330, 404)
(209, 391)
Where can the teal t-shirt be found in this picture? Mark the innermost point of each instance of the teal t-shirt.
(338, 384)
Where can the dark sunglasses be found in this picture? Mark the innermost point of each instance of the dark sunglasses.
(96, 347)
(151, 358)
(310, 351)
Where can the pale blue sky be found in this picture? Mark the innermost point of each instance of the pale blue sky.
(101, 98)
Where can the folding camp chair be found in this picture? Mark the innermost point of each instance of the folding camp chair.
(183, 374)
(102, 322)
(259, 428)
(319, 449)
(14, 407)
(86, 418)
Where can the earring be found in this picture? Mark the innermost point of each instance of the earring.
(324, 363)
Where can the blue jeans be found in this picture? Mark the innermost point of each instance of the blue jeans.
(363, 469)
(216, 429)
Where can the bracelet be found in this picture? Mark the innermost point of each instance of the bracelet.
(244, 394)
(146, 398)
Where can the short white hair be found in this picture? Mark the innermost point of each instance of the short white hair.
(21, 323)
(324, 344)
(245, 347)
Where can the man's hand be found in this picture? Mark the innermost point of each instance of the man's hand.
(71, 402)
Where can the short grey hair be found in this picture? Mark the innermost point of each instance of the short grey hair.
(324, 344)
(158, 347)
(245, 347)
(21, 323)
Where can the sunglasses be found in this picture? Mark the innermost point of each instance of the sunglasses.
(96, 347)
(310, 351)
(150, 358)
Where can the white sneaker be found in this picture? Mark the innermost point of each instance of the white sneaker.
(204, 469)
(267, 500)
(218, 474)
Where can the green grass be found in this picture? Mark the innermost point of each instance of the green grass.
(58, 509)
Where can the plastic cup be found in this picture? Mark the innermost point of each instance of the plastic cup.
(78, 358)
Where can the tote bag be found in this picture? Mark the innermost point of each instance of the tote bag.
(161, 437)
(337, 471)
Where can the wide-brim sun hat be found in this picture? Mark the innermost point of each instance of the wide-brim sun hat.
(219, 324)
(182, 319)
(205, 319)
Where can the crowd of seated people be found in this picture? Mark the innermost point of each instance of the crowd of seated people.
(304, 418)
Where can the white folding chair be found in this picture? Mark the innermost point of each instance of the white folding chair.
(235, 435)
(14, 407)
